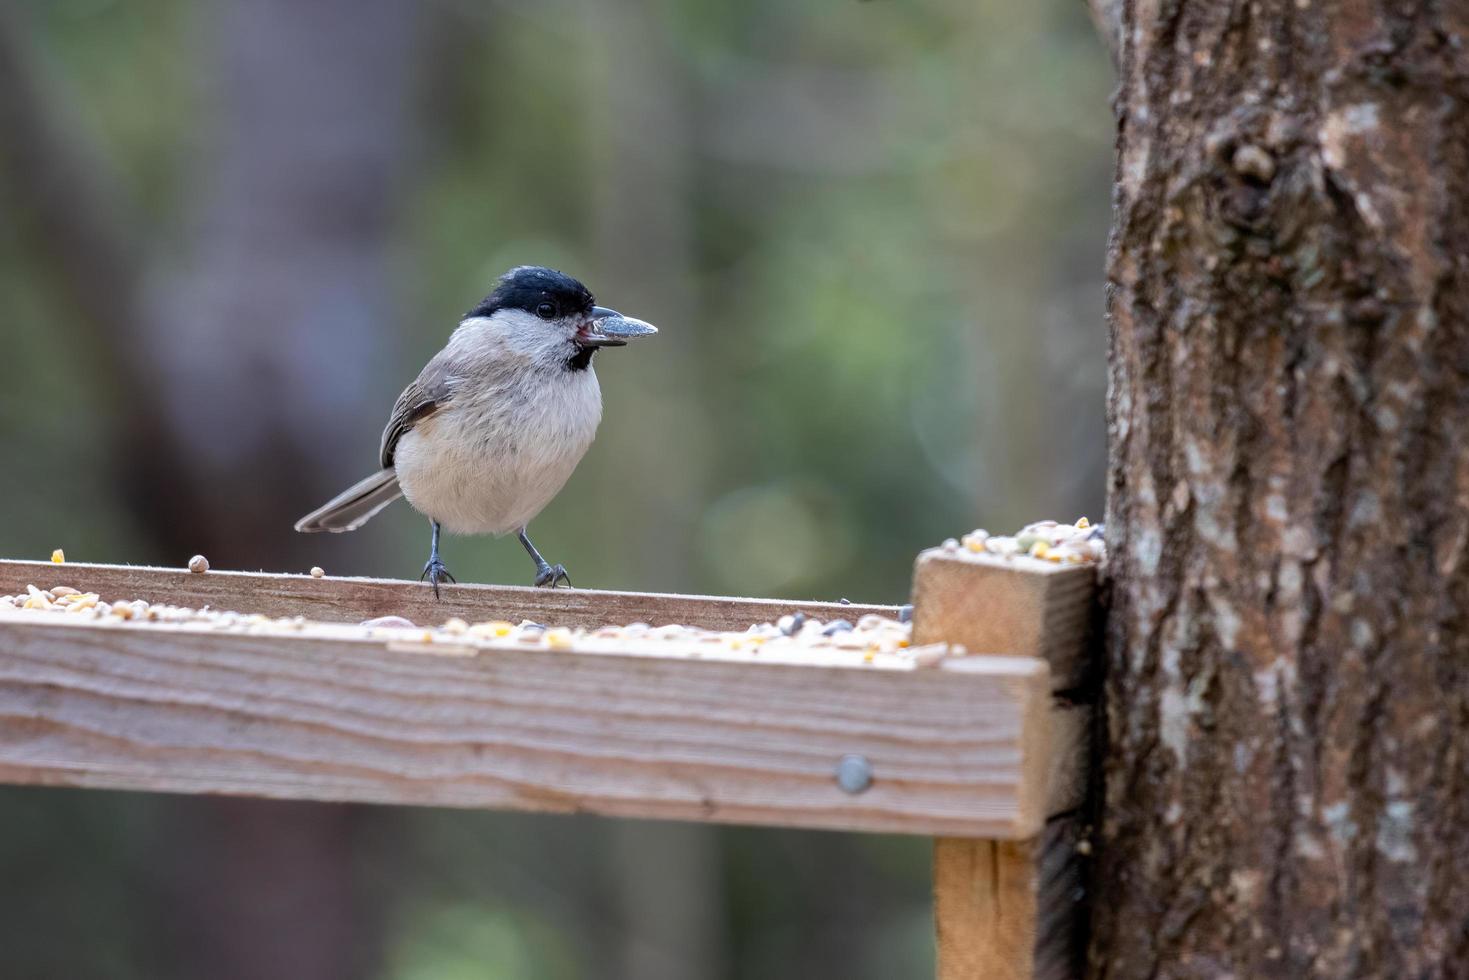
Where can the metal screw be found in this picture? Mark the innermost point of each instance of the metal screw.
(854, 774)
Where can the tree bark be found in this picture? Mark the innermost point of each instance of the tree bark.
(1287, 774)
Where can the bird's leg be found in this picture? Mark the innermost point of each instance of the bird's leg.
(434, 569)
(546, 573)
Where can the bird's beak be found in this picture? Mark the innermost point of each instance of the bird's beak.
(608, 328)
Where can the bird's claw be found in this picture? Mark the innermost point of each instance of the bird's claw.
(435, 572)
(547, 576)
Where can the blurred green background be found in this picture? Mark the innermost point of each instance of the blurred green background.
(230, 232)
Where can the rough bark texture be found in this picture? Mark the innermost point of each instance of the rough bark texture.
(1287, 780)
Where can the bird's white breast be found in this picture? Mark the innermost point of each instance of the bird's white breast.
(499, 451)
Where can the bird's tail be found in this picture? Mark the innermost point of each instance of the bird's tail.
(353, 507)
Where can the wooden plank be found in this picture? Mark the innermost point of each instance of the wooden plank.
(996, 901)
(1018, 606)
(334, 599)
(1008, 910)
(960, 748)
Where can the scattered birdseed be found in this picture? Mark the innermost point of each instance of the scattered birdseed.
(798, 638)
(58, 556)
(1049, 541)
(317, 571)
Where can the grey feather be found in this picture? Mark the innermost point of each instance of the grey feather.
(426, 395)
(353, 507)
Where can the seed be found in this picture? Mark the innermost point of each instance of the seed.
(836, 626)
(60, 590)
(456, 627)
(558, 638)
(905, 614)
(927, 655)
(198, 564)
(1083, 523)
(395, 622)
(58, 556)
(317, 571)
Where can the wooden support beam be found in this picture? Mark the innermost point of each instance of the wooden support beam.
(959, 748)
(351, 600)
(1008, 910)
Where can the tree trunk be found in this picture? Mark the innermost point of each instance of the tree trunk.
(1287, 774)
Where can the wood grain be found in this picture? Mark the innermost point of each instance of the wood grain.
(954, 750)
(996, 901)
(1017, 606)
(353, 600)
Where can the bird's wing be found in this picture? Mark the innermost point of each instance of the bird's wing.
(426, 395)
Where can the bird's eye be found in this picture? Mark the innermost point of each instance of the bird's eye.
(546, 311)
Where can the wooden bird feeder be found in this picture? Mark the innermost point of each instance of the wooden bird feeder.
(986, 753)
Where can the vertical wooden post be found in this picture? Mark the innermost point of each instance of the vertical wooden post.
(1009, 910)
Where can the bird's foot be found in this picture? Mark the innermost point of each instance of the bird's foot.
(547, 576)
(435, 572)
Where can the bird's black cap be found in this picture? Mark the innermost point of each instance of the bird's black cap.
(526, 287)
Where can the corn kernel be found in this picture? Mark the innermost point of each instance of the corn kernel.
(1083, 523)
(558, 638)
(58, 556)
(1040, 550)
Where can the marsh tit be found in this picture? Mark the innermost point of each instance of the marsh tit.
(492, 427)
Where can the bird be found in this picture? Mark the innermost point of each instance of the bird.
(491, 429)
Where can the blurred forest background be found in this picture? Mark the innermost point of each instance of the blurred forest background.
(231, 230)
